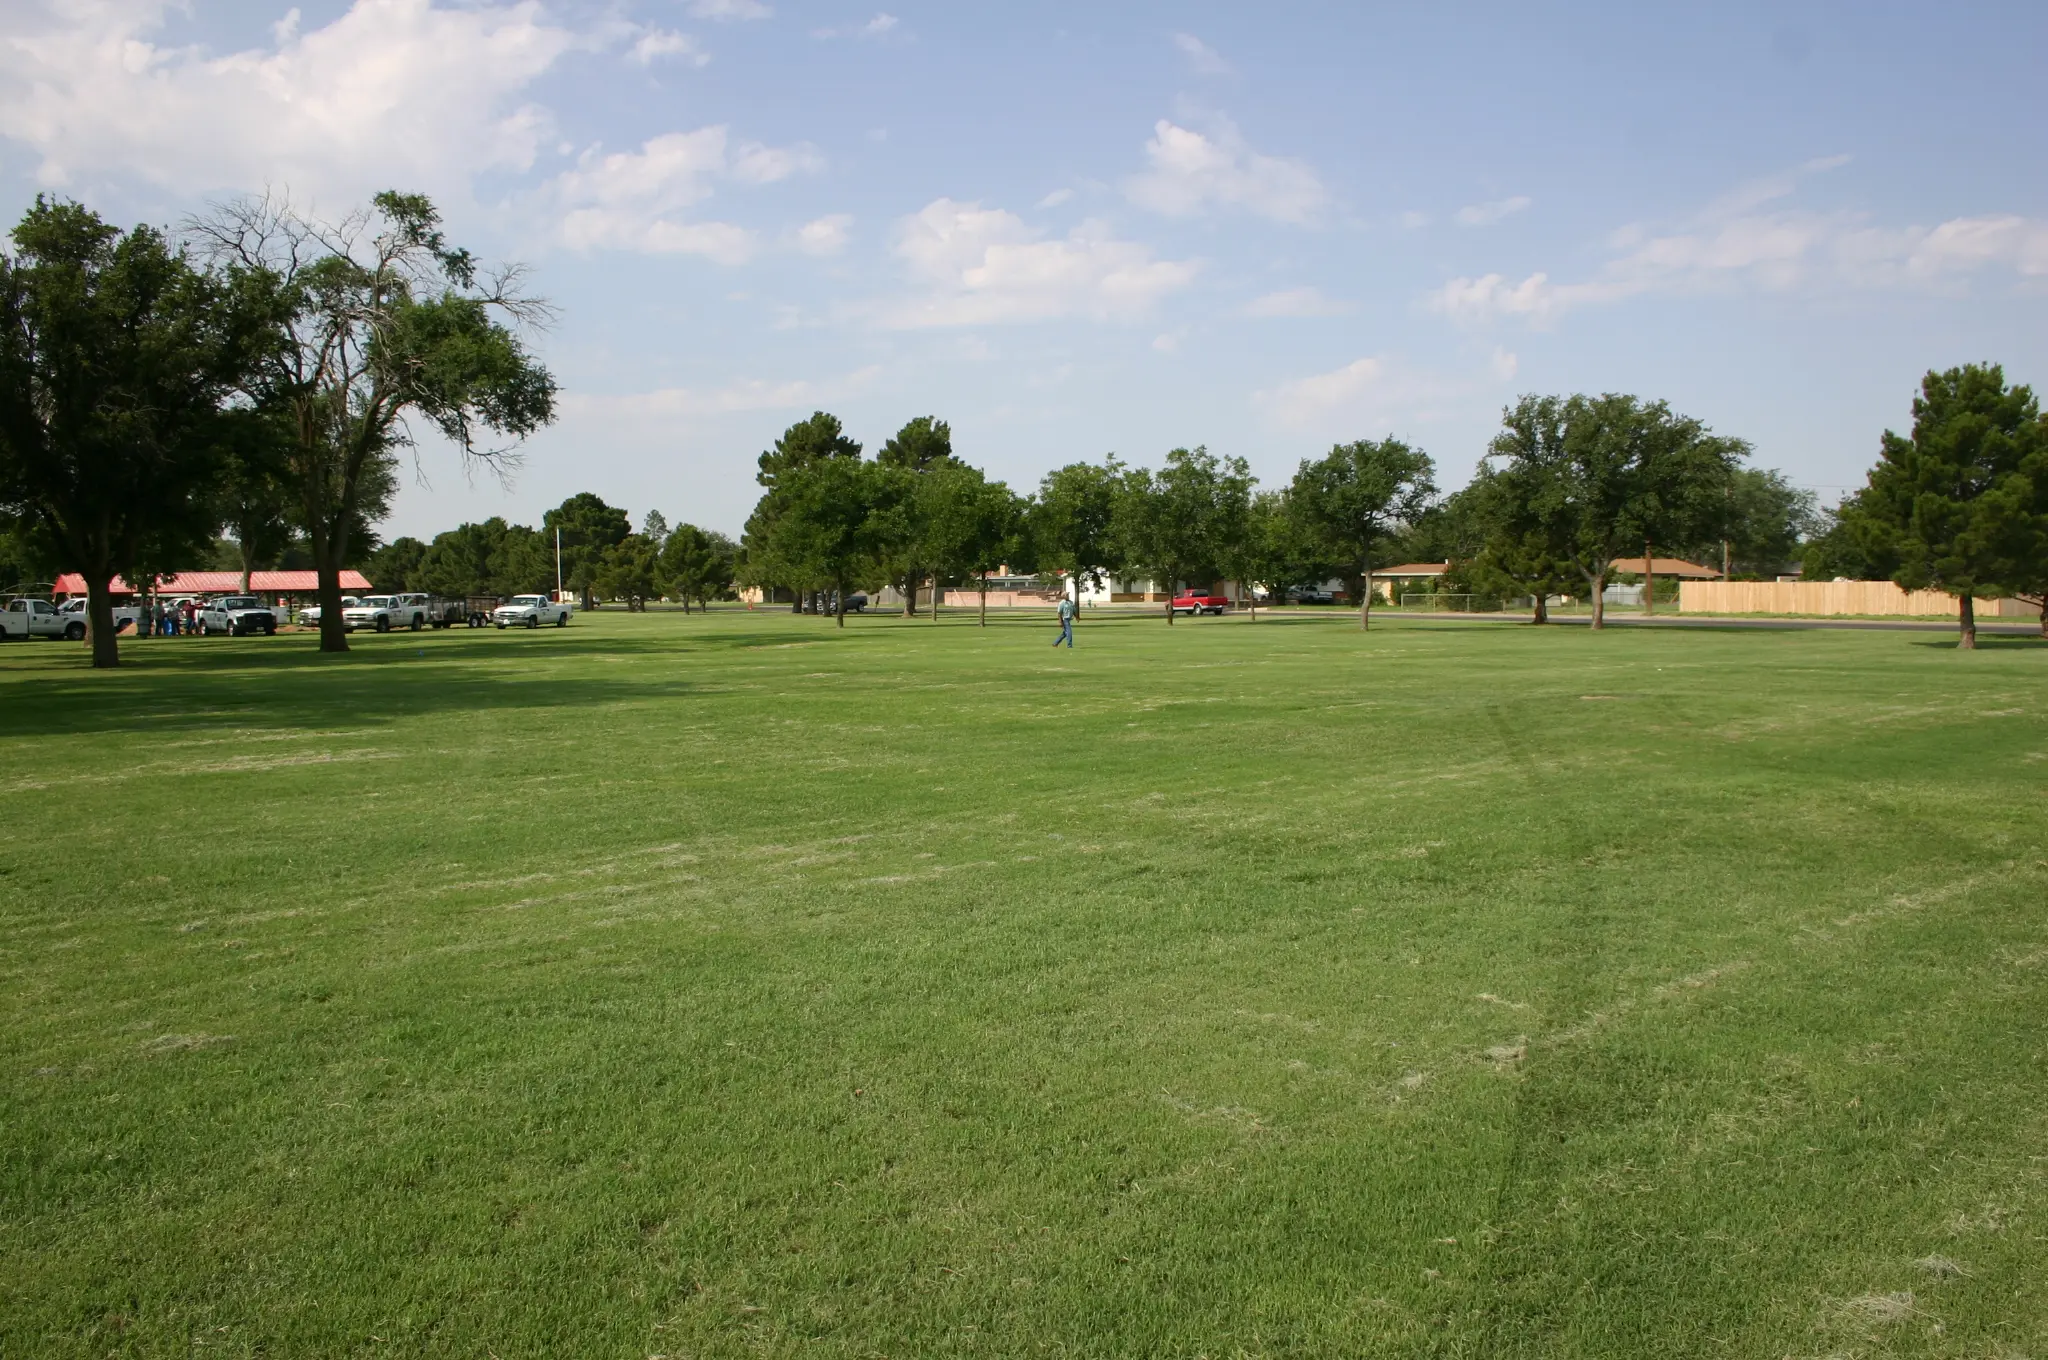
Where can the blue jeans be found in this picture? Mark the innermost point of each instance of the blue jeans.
(1066, 634)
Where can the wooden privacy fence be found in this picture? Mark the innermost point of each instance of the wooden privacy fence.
(1831, 597)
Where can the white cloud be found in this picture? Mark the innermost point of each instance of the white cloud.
(984, 266)
(1379, 393)
(1506, 363)
(825, 235)
(1055, 198)
(391, 92)
(1295, 302)
(876, 27)
(633, 200)
(1203, 59)
(1305, 400)
(746, 394)
(1190, 171)
(1413, 220)
(656, 43)
(1486, 214)
(729, 9)
(753, 163)
(1737, 242)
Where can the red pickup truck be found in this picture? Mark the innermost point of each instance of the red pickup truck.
(1200, 604)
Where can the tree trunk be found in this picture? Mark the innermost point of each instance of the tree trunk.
(909, 596)
(1967, 638)
(99, 623)
(248, 562)
(327, 560)
(984, 605)
(1649, 581)
(839, 603)
(1599, 581)
(2044, 616)
(1542, 609)
(1365, 600)
(1169, 606)
(938, 593)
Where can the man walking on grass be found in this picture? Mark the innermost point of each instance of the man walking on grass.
(1066, 624)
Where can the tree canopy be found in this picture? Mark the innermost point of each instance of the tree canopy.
(1593, 479)
(1357, 500)
(1960, 505)
(116, 358)
(377, 319)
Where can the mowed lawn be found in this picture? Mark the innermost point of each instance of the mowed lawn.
(737, 985)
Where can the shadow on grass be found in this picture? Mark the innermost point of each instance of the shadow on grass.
(1989, 642)
(168, 686)
(177, 688)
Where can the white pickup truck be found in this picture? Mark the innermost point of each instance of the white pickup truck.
(236, 615)
(382, 613)
(124, 614)
(531, 611)
(39, 618)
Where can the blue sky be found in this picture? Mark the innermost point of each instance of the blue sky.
(1077, 229)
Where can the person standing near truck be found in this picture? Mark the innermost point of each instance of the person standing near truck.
(1066, 624)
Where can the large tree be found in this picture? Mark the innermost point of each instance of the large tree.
(696, 564)
(115, 358)
(589, 530)
(967, 526)
(1185, 521)
(491, 558)
(1072, 523)
(381, 320)
(1959, 506)
(630, 570)
(924, 445)
(254, 490)
(1525, 546)
(1612, 476)
(817, 439)
(1275, 550)
(833, 522)
(394, 567)
(1358, 499)
(1768, 519)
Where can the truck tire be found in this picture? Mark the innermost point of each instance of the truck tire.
(561, 620)
(533, 620)
(415, 623)
(74, 632)
(383, 623)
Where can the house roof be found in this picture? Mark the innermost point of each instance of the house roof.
(1666, 566)
(221, 582)
(1414, 569)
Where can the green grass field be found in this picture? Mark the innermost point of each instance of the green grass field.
(741, 986)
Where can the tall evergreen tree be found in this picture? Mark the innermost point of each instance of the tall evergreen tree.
(1962, 504)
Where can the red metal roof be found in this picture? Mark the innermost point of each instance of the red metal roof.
(222, 582)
